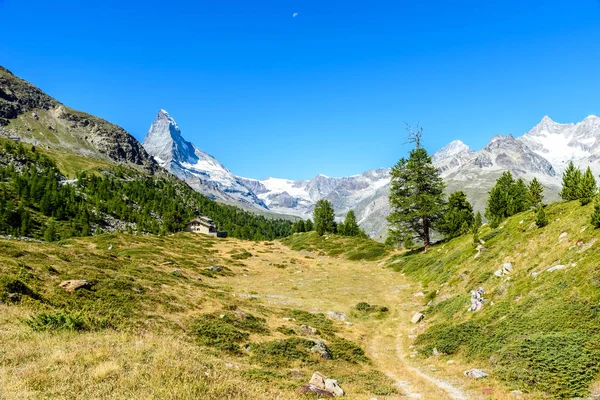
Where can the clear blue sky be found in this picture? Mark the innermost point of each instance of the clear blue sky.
(327, 91)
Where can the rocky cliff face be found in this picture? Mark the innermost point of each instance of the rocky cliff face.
(200, 170)
(28, 113)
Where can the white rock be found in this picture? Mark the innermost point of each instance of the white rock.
(332, 386)
(417, 318)
(475, 374)
(556, 268)
(562, 236)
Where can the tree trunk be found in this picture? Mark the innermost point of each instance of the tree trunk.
(426, 239)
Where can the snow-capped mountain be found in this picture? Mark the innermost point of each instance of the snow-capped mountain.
(543, 152)
(299, 197)
(200, 170)
(561, 143)
(452, 156)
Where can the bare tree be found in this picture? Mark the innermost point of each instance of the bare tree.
(414, 135)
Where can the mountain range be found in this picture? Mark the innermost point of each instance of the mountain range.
(543, 152)
(31, 115)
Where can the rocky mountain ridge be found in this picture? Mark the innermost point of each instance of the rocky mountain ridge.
(27, 113)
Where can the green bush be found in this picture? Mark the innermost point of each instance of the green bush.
(342, 349)
(59, 321)
(282, 353)
(212, 331)
(561, 364)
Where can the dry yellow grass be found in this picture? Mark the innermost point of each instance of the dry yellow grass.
(162, 362)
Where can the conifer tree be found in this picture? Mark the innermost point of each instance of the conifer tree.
(324, 217)
(540, 217)
(351, 227)
(587, 187)
(300, 226)
(416, 195)
(50, 232)
(458, 217)
(570, 183)
(517, 201)
(535, 193)
(308, 225)
(498, 201)
(596, 213)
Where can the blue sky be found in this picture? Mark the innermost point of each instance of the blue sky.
(327, 91)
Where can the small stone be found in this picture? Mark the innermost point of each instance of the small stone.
(436, 352)
(288, 319)
(214, 268)
(516, 394)
(177, 272)
(417, 318)
(318, 380)
(321, 348)
(336, 315)
(75, 284)
(556, 268)
(332, 386)
(563, 236)
(110, 247)
(308, 330)
(450, 362)
(475, 374)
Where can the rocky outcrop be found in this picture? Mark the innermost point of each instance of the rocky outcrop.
(45, 121)
(321, 386)
(477, 299)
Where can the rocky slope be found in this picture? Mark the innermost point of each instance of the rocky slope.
(198, 169)
(28, 113)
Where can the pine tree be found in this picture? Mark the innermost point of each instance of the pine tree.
(535, 193)
(300, 226)
(351, 227)
(518, 198)
(498, 201)
(570, 183)
(587, 187)
(476, 227)
(50, 232)
(458, 216)
(308, 225)
(540, 217)
(596, 214)
(324, 217)
(416, 196)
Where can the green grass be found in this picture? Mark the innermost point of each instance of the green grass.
(351, 248)
(526, 314)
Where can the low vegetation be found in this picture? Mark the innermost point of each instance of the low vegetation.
(537, 330)
(151, 309)
(351, 248)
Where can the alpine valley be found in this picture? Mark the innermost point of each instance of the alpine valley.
(543, 153)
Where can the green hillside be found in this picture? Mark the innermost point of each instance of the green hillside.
(38, 200)
(538, 328)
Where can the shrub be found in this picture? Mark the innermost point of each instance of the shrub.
(561, 364)
(342, 349)
(281, 353)
(210, 330)
(59, 321)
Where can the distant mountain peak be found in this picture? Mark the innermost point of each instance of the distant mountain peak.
(200, 170)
